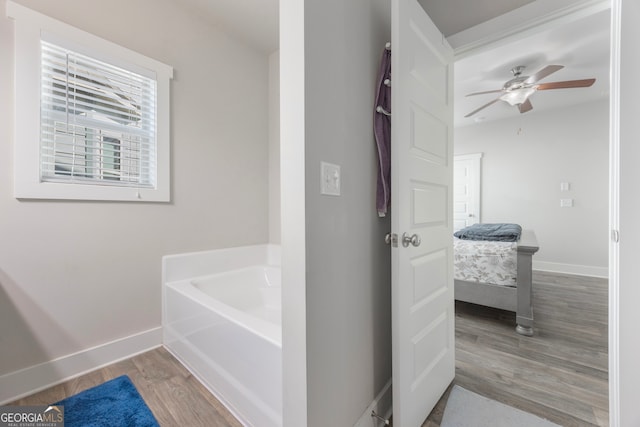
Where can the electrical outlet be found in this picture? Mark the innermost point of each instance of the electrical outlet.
(566, 203)
(329, 179)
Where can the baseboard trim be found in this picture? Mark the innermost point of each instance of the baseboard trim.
(381, 404)
(24, 382)
(579, 270)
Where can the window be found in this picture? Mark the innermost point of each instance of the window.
(102, 115)
(97, 122)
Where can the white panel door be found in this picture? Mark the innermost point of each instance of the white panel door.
(466, 190)
(421, 199)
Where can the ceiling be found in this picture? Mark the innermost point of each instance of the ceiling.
(581, 46)
(256, 21)
(467, 13)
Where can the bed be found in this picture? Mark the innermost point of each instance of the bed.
(500, 277)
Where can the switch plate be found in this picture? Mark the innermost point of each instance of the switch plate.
(566, 203)
(565, 186)
(329, 179)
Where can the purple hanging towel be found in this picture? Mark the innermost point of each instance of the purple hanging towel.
(382, 132)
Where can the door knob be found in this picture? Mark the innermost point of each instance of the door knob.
(414, 240)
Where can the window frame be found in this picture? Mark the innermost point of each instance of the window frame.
(30, 28)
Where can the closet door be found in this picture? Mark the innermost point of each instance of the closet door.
(466, 190)
(421, 214)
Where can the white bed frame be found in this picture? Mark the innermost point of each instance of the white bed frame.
(518, 299)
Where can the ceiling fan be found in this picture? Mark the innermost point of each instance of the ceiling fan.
(518, 90)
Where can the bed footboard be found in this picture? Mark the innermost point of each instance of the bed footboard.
(518, 299)
(527, 246)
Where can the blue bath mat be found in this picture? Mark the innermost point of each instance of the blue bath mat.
(115, 403)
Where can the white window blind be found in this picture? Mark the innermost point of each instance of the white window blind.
(97, 122)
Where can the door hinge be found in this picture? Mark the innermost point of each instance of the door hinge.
(615, 236)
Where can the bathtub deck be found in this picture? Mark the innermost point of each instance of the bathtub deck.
(174, 396)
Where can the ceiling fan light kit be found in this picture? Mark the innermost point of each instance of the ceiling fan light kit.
(517, 96)
(516, 92)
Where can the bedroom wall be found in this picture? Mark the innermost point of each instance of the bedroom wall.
(525, 160)
(74, 275)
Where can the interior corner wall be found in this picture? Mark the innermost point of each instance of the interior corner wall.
(274, 148)
(75, 275)
(348, 265)
(524, 161)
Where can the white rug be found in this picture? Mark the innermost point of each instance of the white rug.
(467, 409)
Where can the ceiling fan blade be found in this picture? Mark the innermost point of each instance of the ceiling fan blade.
(566, 84)
(549, 69)
(482, 93)
(483, 107)
(525, 106)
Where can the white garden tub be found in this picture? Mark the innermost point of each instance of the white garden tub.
(222, 319)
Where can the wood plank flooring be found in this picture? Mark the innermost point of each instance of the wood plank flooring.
(559, 374)
(174, 396)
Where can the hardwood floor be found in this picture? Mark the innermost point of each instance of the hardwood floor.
(174, 396)
(559, 374)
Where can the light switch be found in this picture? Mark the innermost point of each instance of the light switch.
(329, 179)
(566, 203)
(565, 186)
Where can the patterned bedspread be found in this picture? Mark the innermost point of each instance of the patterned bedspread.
(485, 261)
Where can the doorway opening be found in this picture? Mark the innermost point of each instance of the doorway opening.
(548, 170)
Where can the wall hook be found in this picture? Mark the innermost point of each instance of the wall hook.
(381, 110)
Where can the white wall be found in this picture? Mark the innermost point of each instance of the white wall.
(74, 275)
(293, 234)
(347, 263)
(625, 345)
(525, 160)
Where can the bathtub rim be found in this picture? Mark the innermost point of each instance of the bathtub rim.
(187, 265)
(237, 270)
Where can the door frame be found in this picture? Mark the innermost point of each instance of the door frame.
(294, 332)
(511, 26)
